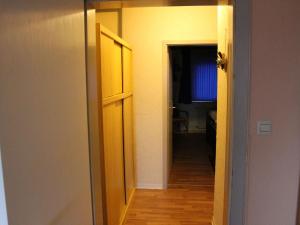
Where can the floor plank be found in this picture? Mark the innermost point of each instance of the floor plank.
(189, 198)
(191, 165)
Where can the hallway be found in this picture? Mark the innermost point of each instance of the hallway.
(189, 198)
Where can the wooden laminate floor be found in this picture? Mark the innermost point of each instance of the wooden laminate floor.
(189, 198)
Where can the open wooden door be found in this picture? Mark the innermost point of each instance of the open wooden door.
(128, 123)
(116, 124)
(171, 108)
(224, 105)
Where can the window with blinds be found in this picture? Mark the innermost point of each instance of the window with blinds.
(204, 74)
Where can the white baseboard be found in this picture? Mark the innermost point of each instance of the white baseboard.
(149, 186)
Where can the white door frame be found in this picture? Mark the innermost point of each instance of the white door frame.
(240, 111)
(166, 89)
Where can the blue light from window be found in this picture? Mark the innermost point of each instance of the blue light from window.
(204, 80)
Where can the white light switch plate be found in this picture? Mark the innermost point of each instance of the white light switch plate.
(264, 127)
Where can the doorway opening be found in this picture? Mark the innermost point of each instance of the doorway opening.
(193, 94)
(153, 161)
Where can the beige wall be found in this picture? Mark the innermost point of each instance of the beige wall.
(146, 29)
(274, 160)
(111, 20)
(43, 116)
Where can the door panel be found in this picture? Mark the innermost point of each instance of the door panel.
(225, 34)
(129, 147)
(117, 77)
(116, 124)
(113, 156)
(127, 73)
(107, 46)
(111, 67)
(170, 112)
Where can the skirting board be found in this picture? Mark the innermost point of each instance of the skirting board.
(149, 186)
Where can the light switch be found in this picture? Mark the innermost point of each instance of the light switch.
(264, 127)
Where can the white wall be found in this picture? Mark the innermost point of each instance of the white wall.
(146, 29)
(274, 160)
(43, 114)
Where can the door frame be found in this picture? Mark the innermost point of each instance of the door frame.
(167, 156)
(239, 134)
(240, 110)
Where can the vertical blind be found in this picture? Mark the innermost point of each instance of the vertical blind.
(204, 76)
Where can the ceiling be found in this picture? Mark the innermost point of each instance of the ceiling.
(114, 4)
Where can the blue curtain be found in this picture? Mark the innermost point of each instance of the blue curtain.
(204, 79)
